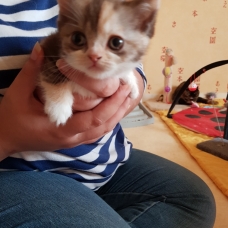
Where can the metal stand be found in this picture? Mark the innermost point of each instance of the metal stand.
(140, 116)
(191, 79)
(216, 146)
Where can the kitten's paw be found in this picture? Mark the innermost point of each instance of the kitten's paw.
(134, 92)
(131, 80)
(58, 114)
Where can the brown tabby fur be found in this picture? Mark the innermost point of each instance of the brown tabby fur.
(89, 16)
(88, 37)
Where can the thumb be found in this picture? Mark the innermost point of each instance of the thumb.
(27, 78)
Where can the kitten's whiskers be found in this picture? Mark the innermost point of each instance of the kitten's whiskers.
(70, 71)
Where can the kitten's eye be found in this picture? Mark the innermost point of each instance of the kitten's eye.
(116, 43)
(78, 39)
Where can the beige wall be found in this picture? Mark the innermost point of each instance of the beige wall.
(197, 31)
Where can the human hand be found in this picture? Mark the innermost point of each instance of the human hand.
(101, 87)
(25, 127)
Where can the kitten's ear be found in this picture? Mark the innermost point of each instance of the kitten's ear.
(66, 6)
(70, 9)
(63, 5)
(145, 12)
(63, 11)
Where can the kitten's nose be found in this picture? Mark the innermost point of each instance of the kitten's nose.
(94, 58)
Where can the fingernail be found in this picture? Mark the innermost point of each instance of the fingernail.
(35, 52)
(57, 63)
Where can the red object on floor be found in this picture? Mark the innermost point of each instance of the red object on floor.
(202, 120)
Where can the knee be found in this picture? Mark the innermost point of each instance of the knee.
(208, 207)
(201, 203)
(206, 200)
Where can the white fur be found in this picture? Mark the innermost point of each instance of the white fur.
(59, 98)
(131, 80)
(58, 101)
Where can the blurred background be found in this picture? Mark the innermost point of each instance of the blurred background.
(197, 32)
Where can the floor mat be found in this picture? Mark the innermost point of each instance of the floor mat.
(215, 167)
(208, 121)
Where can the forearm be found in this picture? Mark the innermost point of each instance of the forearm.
(3, 152)
(136, 101)
(3, 155)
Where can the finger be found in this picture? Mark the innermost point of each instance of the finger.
(102, 88)
(94, 134)
(83, 121)
(92, 140)
(84, 104)
(27, 78)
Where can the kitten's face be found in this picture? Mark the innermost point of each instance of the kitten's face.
(104, 37)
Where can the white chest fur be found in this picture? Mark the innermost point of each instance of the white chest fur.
(59, 98)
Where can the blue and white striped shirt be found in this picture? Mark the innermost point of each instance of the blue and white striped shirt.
(22, 24)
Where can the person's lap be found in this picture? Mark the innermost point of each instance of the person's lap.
(148, 191)
(33, 199)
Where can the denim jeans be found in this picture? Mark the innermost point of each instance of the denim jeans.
(148, 192)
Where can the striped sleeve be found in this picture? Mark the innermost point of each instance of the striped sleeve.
(20, 29)
(22, 24)
(139, 68)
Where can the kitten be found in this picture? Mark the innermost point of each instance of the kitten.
(188, 96)
(101, 38)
